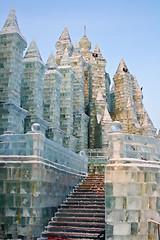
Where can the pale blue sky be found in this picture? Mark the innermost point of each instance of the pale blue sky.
(122, 28)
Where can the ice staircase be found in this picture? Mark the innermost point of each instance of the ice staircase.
(82, 215)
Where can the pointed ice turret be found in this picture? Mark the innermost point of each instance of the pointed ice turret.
(11, 59)
(51, 62)
(32, 53)
(96, 52)
(51, 110)
(98, 81)
(98, 74)
(65, 61)
(147, 121)
(96, 115)
(122, 68)
(78, 65)
(52, 84)
(76, 51)
(12, 45)
(105, 126)
(137, 90)
(85, 47)
(147, 127)
(11, 24)
(66, 100)
(80, 125)
(85, 44)
(33, 84)
(138, 96)
(100, 104)
(106, 116)
(68, 76)
(63, 43)
(65, 35)
(123, 81)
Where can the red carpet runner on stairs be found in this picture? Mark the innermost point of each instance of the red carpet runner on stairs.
(82, 215)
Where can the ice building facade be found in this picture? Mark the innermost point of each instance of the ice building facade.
(60, 118)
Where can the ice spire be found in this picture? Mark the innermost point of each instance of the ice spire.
(63, 42)
(33, 53)
(65, 61)
(51, 94)
(76, 51)
(105, 125)
(84, 30)
(65, 35)
(77, 45)
(11, 24)
(51, 63)
(84, 43)
(100, 105)
(97, 51)
(106, 116)
(122, 68)
(137, 90)
(147, 127)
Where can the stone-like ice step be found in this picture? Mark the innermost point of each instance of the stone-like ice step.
(89, 191)
(78, 219)
(71, 235)
(83, 206)
(81, 214)
(85, 210)
(78, 224)
(82, 202)
(85, 196)
(73, 229)
(96, 185)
